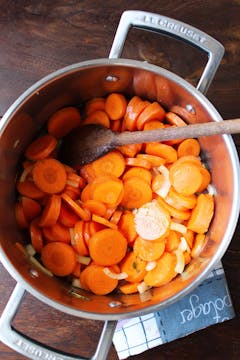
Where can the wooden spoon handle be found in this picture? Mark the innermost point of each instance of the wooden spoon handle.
(190, 131)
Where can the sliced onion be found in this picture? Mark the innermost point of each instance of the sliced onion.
(76, 283)
(150, 265)
(72, 183)
(30, 250)
(164, 189)
(211, 190)
(178, 227)
(180, 265)
(40, 266)
(146, 295)
(85, 260)
(25, 173)
(142, 287)
(183, 246)
(113, 275)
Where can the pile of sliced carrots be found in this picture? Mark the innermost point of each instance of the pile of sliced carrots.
(130, 220)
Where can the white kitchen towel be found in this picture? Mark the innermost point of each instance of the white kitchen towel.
(209, 304)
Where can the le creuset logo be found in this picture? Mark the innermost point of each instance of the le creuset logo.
(35, 351)
(177, 28)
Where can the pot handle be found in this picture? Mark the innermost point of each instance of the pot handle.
(177, 29)
(35, 350)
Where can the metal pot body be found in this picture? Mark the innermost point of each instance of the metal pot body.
(75, 85)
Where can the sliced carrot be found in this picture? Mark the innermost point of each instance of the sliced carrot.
(188, 147)
(83, 214)
(187, 257)
(175, 213)
(174, 119)
(107, 247)
(29, 189)
(95, 227)
(99, 117)
(107, 189)
(115, 106)
(189, 159)
(153, 124)
(63, 121)
(86, 193)
(103, 221)
(31, 208)
(134, 267)
(77, 239)
(109, 212)
(97, 281)
(166, 152)
(129, 288)
(94, 104)
(112, 163)
(77, 270)
(130, 150)
(116, 216)
(179, 201)
(129, 161)
(172, 241)
(127, 227)
(163, 272)
(116, 125)
(199, 244)
(206, 179)
(59, 258)
(75, 180)
(49, 175)
(20, 217)
(72, 192)
(136, 192)
(148, 250)
(153, 111)
(189, 237)
(134, 108)
(41, 148)
(67, 217)
(87, 172)
(186, 178)
(57, 232)
(51, 211)
(186, 115)
(202, 214)
(86, 232)
(95, 207)
(139, 172)
(153, 159)
(36, 235)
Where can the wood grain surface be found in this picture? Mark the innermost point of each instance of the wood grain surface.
(39, 37)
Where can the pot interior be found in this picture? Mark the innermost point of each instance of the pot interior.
(73, 86)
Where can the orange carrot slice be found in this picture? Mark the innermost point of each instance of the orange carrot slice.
(97, 281)
(112, 163)
(186, 178)
(165, 151)
(41, 148)
(134, 267)
(49, 175)
(51, 211)
(63, 121)
(153, 111)
(107, 247)
(83, 214)
(115, 106)
(148, 250)
(202, 214)
(36, 235)
(164, 271)
(31, 208)
(136, 192)
(59, 258)
(188, 147)
(99, 117)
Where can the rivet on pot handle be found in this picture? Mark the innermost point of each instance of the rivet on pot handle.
(177, 29)
(34, 350)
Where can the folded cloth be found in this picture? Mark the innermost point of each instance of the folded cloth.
(208, 304)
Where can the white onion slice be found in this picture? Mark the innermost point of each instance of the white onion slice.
(183, 246)
(85, 260)
(150, 265)
(113, 275)
(30, 250)
(142, 287)
(40, 266)
(164, 189)
(180, 265)
(178, 227)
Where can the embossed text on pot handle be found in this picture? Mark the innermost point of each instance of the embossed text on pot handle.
(36, 351)
(177, 29)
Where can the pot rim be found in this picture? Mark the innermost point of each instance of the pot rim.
(34, 89)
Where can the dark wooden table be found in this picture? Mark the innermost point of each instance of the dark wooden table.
(38, 37)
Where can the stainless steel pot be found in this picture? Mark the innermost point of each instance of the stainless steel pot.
(73, 85)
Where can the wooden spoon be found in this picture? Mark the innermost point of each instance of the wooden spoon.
(89, 142)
